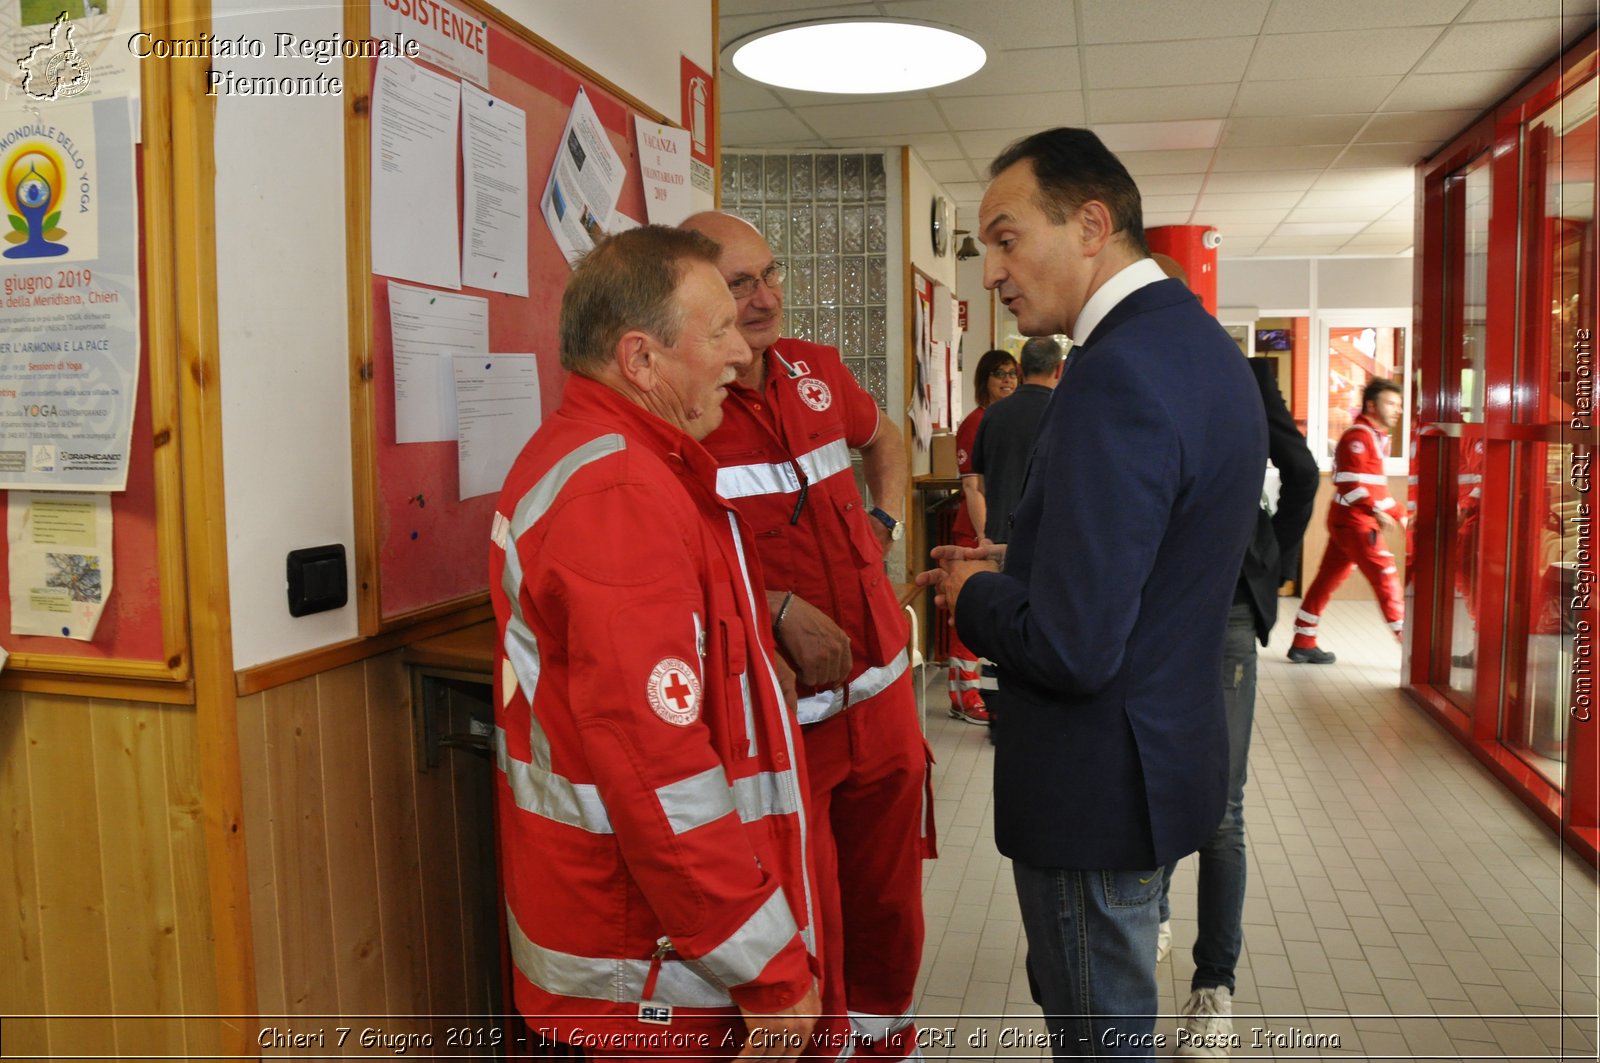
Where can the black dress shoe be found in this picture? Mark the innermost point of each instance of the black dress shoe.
(1311, 655)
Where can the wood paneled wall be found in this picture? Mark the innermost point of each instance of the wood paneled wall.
(372, 885)
(104, 906)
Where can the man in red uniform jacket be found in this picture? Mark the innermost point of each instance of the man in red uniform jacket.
(1361, 511)
(791, 420)
(653, 827)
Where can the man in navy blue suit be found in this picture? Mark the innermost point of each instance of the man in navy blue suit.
(1107, 620)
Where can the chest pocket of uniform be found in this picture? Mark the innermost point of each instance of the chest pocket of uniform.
(730, 635)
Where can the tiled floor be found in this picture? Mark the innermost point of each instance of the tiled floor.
(1401, 902)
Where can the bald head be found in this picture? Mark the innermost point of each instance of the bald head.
(746, 254)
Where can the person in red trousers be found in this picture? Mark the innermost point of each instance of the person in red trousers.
(995, 378)
(1361, 512)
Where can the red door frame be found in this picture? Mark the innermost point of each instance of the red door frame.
(1438, 275)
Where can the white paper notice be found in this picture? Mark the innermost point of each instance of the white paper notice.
(497, 405)
(494, 151)
(428, 328)
(60, 562)
(664, 165)
(446, 35)
(414, 120)
(584, 183)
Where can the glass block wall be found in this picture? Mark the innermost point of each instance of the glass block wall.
(826, 215)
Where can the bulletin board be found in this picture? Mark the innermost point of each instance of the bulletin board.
(141, 633)
(420, 551)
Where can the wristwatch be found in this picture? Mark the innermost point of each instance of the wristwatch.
(897, 528)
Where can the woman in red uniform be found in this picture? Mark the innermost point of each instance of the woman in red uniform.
(996, 378)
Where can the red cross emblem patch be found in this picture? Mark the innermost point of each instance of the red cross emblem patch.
(815, 393)
(674, 692)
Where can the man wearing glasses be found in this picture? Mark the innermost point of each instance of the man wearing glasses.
(790, 421)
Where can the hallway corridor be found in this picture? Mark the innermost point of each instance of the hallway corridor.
(1402, 905)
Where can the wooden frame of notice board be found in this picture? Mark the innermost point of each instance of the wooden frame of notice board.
(422, 554)
(141, 645)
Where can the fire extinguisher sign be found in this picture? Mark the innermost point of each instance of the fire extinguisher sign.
(699, 117)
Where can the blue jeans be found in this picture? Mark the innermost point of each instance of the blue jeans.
(1222, 865)
(1092, 957)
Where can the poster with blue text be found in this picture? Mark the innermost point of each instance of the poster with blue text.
(69, 297)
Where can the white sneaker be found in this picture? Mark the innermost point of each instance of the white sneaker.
(1206, 1030)
(1164, 940)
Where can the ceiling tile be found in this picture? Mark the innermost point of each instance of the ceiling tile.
(1305, 129)
(1156, 221)
(737, 94)
(1115, 66)
(732, 26)
(1284, 158)
(1247, 200)
(935, 147)
(1225, 218)
(1177, 184)
(1400, 181)
(1367, 156)
(1304, 245)
(1157, 20)
(1443, 92)
(1336, 95)
(1042, 110)
(1505, 10)
(966, 191)
(1026, 23)
(893, 119)
(1242, 248)
(1392, 225)
(1039, 69)
(1299, 16)
(1274, 181)
(1353, 53)
(1167, 103)
(1309, 228)
(1166, 204)
(951, 170)
(985, 144)
(1495, 46)
(1380, 242)
(1435, 127)
(1356, 199)
(1361, 214)
(748, 129)
(1124, 137)
(728, 8)
(1141, 163)
(1241, 229)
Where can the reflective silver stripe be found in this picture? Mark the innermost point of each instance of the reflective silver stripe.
(618, 981)
(748, 950)
(791, 789)
(1384, 503)
(768, 793)
(1398, 625)
(964, 684)
(749, 713)
(1310, 618)
(1476, 492)
(696, 801)
(1353, 497)
(551, 796)
(1359, 478)
(538, 789)
(1298, 630)
(988, 682)
(743, 481)
(1470, 478)
(1391, 570)
(873, 681)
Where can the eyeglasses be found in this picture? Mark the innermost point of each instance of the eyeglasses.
(744, 287)
(1005, 374)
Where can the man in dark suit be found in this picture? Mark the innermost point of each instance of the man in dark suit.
(1006, 435)
(1107, 622)
(1206, 1026)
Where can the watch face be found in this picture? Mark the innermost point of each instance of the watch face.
(940, 225)
(898, 531)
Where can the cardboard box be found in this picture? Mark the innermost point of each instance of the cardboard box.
(942, 462)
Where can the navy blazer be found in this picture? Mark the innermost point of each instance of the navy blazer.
(1107, 623)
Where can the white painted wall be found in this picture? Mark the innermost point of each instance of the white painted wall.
(281, 288)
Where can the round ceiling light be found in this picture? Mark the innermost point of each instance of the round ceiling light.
(858, 56)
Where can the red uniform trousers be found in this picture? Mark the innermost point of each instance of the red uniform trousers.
(964, 678)
(870, 798)
(1351, 546)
